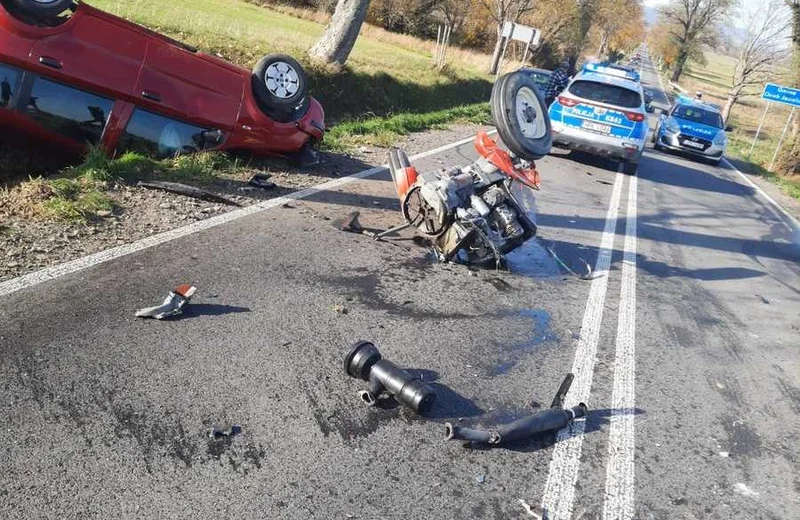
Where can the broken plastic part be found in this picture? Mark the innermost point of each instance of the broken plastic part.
(172, 305)
(364, 362)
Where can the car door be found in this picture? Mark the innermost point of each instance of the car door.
(92, 52)
(181, 83)
(10, 82)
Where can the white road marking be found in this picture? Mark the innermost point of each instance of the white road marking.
(559, 491)
(56, 271)
(792, 224)
(619, 500)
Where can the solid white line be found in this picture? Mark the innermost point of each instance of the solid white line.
(619, 500)
(793, 223)
(56, 271)
(559, 491)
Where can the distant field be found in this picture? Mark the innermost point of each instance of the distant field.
(387, 73)
(715, 80)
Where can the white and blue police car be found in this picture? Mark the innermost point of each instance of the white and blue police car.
(693, 127)
(602, 111)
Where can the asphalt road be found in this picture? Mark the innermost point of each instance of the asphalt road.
(684, 347)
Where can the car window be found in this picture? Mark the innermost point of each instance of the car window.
(698, 115)
(540, 79)
(605, 93)
(9, 79)
(160, 136)
(68, 111)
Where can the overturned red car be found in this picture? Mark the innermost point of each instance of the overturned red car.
(72, 76)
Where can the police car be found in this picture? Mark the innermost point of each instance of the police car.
(693, 127)
(602, 112)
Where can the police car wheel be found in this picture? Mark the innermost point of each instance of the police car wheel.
(629, 168)
(521, 116)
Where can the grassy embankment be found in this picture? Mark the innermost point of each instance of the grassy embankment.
(388, 89)
(714, 79)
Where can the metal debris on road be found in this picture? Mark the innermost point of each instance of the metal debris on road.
(261, 180)
(227, 431)
(172, 306)
(588, 276)
(349, 223)
(528, 509)
(480, 479)
(387, 379)
(189, 191)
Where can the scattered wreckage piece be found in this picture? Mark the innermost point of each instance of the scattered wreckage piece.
(364, 362)
(189, 191)
(224, 432)
(261, 180)
(173, 303)
(552, 419)
(471, 213)
(349, 223)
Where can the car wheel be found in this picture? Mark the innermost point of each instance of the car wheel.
(280, 86)
(42, 9)
(521, 116)
(629, 167)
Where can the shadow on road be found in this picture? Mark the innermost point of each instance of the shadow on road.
(195, 310)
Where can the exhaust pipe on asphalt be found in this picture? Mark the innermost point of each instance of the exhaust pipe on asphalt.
(364, 362)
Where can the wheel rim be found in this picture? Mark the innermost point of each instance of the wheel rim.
(529, 113)
(282, 80)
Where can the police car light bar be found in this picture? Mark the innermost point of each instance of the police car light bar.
(611, 70)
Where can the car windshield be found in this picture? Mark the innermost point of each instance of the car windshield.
(605, 93)
(698, 115)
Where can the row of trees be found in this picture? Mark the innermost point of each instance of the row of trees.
(569, 29)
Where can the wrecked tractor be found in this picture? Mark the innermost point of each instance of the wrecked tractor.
(476, 214)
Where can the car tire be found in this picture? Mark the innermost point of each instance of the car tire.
(41, 9)
(630, 167)
(280, 86)
(521, 116)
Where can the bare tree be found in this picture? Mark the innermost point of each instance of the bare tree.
(762, 50)
(340, 36)
(503, 11)
(694, 24)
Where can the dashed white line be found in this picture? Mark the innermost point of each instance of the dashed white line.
(619, 499)
(559, 491)
(56, 271)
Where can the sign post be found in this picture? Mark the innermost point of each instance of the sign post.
(521, 33)
(786, 96)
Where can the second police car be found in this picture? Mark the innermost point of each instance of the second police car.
(693, 127)
(602, 112)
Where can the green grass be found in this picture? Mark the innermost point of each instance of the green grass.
(381, 77)
(385, 131)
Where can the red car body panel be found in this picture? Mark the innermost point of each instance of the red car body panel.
(135, 67)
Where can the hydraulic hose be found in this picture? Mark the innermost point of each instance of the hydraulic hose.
(544, 421)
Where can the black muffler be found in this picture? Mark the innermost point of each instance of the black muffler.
(552, 419)
(364, 362)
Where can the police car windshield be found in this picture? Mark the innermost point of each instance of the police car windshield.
(698, 115)
(605, 93)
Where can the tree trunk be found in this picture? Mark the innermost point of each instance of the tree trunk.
(498, 49)
(680, 61)
(790, 158)
(726, 110)
(340, 36)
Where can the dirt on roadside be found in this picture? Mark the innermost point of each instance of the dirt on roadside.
(29, 245)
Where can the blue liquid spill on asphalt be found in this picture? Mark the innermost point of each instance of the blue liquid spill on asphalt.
(542, 333)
